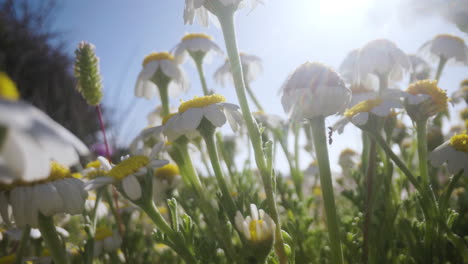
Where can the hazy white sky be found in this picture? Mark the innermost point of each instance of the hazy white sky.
(284, 33)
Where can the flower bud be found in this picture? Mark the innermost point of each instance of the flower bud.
(87, 73)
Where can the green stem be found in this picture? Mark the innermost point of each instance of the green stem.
(153, 213)
(371, 167)
(206, 207)
(52, 240)
(163, 92)
(383, 144)
(226, 20)
(320, 142)
(422, 151)
(445, 199)
(22, 246)
(199, 64)
(296, 177)
(212, 152)
(440, 67)
(253, 97)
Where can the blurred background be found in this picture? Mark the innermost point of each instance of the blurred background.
(38, 39)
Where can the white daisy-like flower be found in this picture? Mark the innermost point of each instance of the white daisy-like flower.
(90, 203)
(125, 174)
(144, 142)
(454, 152)
(347, 159)
(167, 177)
(360, 113)
(446, 47)
(59, 193)
(158, 68)
(257, 228)
(425, 99)
(462, 93)
(251, 68)
(382, 57)
(314, 89)
(196, 44)
(421, 70)
(270, 121)
(191, 113)
(203, 9)
(106, 241)
(31, 141)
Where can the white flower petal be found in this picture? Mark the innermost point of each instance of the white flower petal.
(131, 187)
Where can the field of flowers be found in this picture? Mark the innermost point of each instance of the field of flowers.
(182, 193)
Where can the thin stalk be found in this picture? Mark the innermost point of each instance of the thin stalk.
(212, 152)
(368, 202)
(52, 240)
(421, 127)
(440, 68)
(226, 20)
(206, 207)
(164, 94)
(103, 130)
(292, 168)
(201, 74)
(153, 213)
(108, 156)
(451, 186)
(383, 144)
(321, 150)
(253, 97)
(22, 246)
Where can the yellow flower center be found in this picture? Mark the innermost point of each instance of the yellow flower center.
(203, 101)
(8, 259)
(157, 56)
(102, 233)
(196, 35)
(438, 96)
(253, 229)
(364, 106)
(460, 142)
(8, 88)
(464, 114)
(166, 118)
(162, 210)
(464, 83)
(93, 164)
(128, 167)
(167, 172)
(58, 171)
(316, 190)
(348, 151)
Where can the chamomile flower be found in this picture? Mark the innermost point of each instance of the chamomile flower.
(425, 99)
(191, 113)
(146, 140)
(462, 93)
(454, 152)
(197, 45)
(257, 228)
(382, 57)
(314, 89)
(251, 68)
(347, 159)
(167, 178)
(31, 141)
(160, 69)
(446, 47)
(270, 121)
(59, 193)
(125, 174)
(202, 9)
(362, 112)
(106, 241)
(421, 70)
